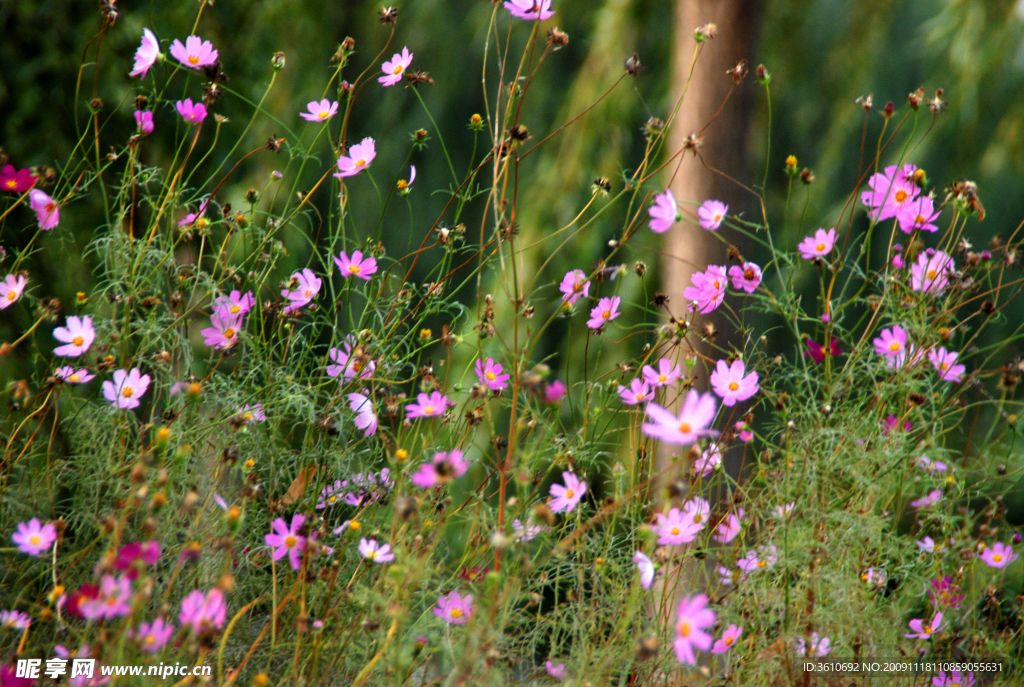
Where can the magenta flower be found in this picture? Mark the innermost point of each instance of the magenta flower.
(144, 121)
(729, 637)
(820, 646)
(931, 272)
(306, 287)
(944, 593)
(816, 352)
(892, 342)
(664, 375)
(234, 304)
(817, 246)
(428, 406)
(556, 671)
(45, 207)
(359, 158)
(919, 213)
(131, 557)
(692, 617)
(193, 114)
(998, 555)
(929, 499)
(553, 392)
(889, 192)
(574, 284)
(195, 53)
(374, 552)
(153, 636)
(729, 527)
(675, 528)
(203, 612)
(692, 424)
(114, 599)
(10, 290)
(346, 364)
(366, 419)
(320, 111)
(530, 10)
(710, 458)
(70, 375)
(146, 55)
(729, 382)
(746, 277)
(78, 335)
(646, 567)
(664, 213)
(892, 422)
(924, 630)
(711, 213)
(708, 290)
(953, 679)
(126, 389)
(15, 620)
(490, 374)
(224, 332)
(441, 469)
(395, 67)
(568, 497)
(945, 363)
(637, 392)
(16, 181)
(286, 541)
(356, 266)
(454, 608)
(606, 310)
(33, 537)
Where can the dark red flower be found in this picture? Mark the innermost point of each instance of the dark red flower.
(817, 352)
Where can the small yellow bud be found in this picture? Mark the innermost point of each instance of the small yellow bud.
(250, 464)
(401, 454)
(791, 161)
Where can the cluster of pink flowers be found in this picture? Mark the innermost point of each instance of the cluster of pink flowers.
(228, 319)
(682, 526)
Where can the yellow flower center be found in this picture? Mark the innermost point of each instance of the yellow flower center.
(685, 427)
(11, 295)
(11, 184)
(248, 417)
(697, 518)
(291, 541)
(235, 309)
(402, 184)
(150, 639)
(332, 499)
(229, 333)
(397, 69)
(761, 564)
(34, 540)
(456, 613)
(996, 558)
(354, 269)
(360, 162)
(78, 341)
(820, 247)
(490, 375)
(901, 196)
(201, 223)
(894, 346)
(309, 292)
(662, 378)
(50, 207)
(578, 286)
(718, 218)
(943, 366)
(927, 629)
(322, 114)
(932, 274)
(674, 531)
(717, 284)
(748, 274)
(569, 493)
(639, 397)
(193, 60)
(75, 377)
(920, 219)
(606, 314)
(127, 393)
(685, 628)
(733, 386)
(428, 409)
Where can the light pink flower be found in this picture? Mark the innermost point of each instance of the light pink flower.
(307, 286)
(692, 617)
(202, 612)
(692, 424)
(676, 528)
(441, 469)
(366, 419)
(664, 375)
(234, 304)
(428, 406)
(356, 266)
(711, 213)
(375, 552)
(146, 54)
(568, 497)
(927, 545)
(556, 671)
(33, 537)
(15, 620)
(253, 414)
(998, 555)
(729, 382)
(646, 567)
(729, 527)
(890, 192)
(708, 290)
(526, 532)
(10, 290)
(931, 272)
(224, 332)
(195, 53)
(746, 277)
(153, 636)
(820, 646)
(945, 362)
(191, 113)
(395, 67)
(892, 342)
(347, 365)
(729, 637)
(454, 608)
(72, 376)
(606, 310)
(78, 335)
(750, 562)
(920, 214)
(359, 158)
(664, 213)
(126, 389)
(924, 630)
(929, 499)
(320, 111)
(45, 207)
(817, 246)
(490, 374)
(286, 541)
(574, 284)
(530, 10)
(710, 458)
(637, 392)
(114, 599)
(953, 679)
(144, 121)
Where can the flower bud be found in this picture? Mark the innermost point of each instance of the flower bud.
(277, 61)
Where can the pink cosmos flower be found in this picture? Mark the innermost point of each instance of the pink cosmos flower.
(711, 213)
(945, 363)
(568, 497)
(454, 608)
(892, 422)
(146, 54)
(664, 213)
(637, 392)
(692, 617)
(606, 310)
(530, 10)
(441, 469)
(78, 681)
(892, 342)
(144, 121)
(347, 365)
(253, 414)
(927, 545)
(817, 246)
(708, 290)
(729, 527)
(114, 599)
(320, 111)
(664, 375)
(820, 646)
(47, 212)
(33, 538)
(395, 67)
(556, 671)
(953, 679)
(374, 552)
(726, 576)
(126, 389)
(920, 214)
(676, 528)
(359, 158)
(751, 562)
(224, 332)
(403, 185)
(931, 272)
(203, 612)
(428, 406)
(356, 266)
(729, 382)
(196, 218)
(191, 113)
(890, 192)
(195, 53)
(15, 620)
(78, 335)
(729, 637)
(526, 532)
(155, 635)
(10, 290)
(307, 286)
(746, 277)
(70, 375)
(366, 419)
(932, 467)
(553, 392)
(817, 352)
(131, 557)
(234, 304)
(693, 421)
(924, 630)
(16, 181)
(286, 541)
(574, 284)
(710, 458)
(929, 499)
(998, 555)
(646, 567)
(490, 374)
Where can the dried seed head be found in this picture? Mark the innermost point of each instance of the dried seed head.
(764, 77)
(388, 15)
(557, 39)
(705, 32)
(277, 61)
(937, 104)
(866, 102)
(602, 186)
(692, 143)
(915, 98)
(640, 268)
(739, 72)
(807, 176)
(633, 66)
